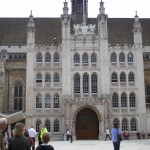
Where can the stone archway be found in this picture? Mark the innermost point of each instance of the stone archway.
(87, 125)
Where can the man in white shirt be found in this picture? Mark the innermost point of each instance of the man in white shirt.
(32, 134)
(107, 134)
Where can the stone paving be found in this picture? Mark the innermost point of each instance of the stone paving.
(100, 145)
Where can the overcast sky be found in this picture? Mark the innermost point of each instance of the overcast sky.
(53, 8)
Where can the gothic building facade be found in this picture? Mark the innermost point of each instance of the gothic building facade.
(76, 72)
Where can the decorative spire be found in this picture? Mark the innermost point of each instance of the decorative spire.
(31, 23)
(137, 23)
(101, 9)
(65, 9)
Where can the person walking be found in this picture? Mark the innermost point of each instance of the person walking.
(19, 141)
(32, 134)
(67, 134)
(115, 132)
(107, 134)
(71, 135)
(45, 146)
(3, 126)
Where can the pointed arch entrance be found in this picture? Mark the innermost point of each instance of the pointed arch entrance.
(87, 125)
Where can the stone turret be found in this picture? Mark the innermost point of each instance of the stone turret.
(31, 32)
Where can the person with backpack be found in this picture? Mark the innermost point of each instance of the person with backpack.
(116, 136)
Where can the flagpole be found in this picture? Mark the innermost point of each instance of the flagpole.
(84, 23)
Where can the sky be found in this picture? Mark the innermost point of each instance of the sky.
(53, 8)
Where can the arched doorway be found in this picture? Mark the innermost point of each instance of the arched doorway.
(87, 126)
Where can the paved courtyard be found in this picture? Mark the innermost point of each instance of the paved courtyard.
(100, 145)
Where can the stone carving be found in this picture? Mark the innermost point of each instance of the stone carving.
(84, 29)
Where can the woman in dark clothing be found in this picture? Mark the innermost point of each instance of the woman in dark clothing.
(45, 139)
(19, 141)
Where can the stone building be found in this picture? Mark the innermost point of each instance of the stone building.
(76, 72)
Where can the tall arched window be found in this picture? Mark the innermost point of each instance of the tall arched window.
(56, 101)
(56, 77)
(115, 100)
(38, 101)
(48, 125)
(123, 100)
(132, 100)
(47, 57)
(76, 58)
(85, 58)
(76, 83)
(56, 57)
(47, 78)
(47, 101)
(85, 83)
(122, 57)
(131, 77)
(39, 57)
(56, 126)
(133, 124)
(93, 58)
(37, 124)
(125, 124)
(114, 77)
(94, 83)
(113, 57)
(18, 96)
(122, 77)
(130, 58)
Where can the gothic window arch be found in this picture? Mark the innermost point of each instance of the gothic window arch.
(39, 57)
(113, 57)
(38, 78)
(115, 100)
(47, 78)
(93, 58)
(85, 58)
(131, 77)
(47, 57)
(47, 101)
(122, 57)
(122, 77)
(38, 100)
(56, 101)
(76, 83)
(48, 125)
(20, 57)
(56, 126)
(94, 83)
(56, 77)
(76, 58)
(132, 100)
(37, 123)
(114, 77)
(85, 83)
(133, 124)
(18, 96)
(15, 57)
(130, 57)
(125, 124)
(10, 57)
(56, 58)
(123, 100)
